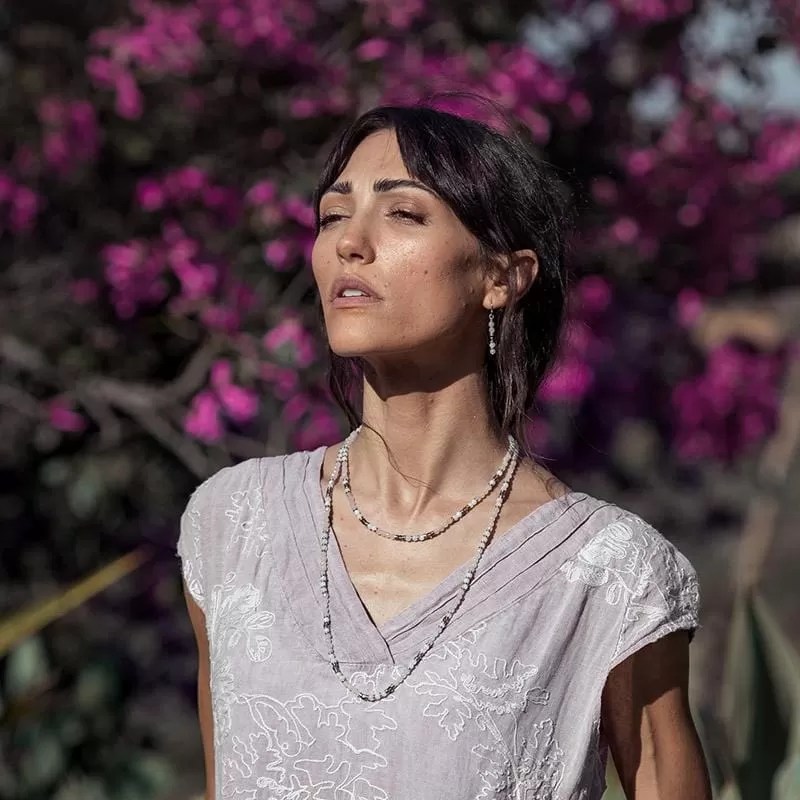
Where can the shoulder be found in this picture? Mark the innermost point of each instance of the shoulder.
(619, 542)
(635, 567)
(261, 474)
(641, 582)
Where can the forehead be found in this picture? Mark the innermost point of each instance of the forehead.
(377, 153)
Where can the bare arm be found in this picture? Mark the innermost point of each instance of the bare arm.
(649, 728)
(203, 690)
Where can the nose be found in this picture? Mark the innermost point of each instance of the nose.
(354, 245)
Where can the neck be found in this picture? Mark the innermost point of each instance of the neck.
(420, 445)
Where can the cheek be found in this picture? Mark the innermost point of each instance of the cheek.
(324, 265)
(317, 257)
(435, 296)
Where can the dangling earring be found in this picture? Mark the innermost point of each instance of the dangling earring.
(492, 342)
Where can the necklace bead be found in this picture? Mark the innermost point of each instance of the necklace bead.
(343, 458)
(469, 576)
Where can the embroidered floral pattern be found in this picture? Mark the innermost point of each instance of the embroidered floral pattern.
(249, 529)
(641, 570)
(535, 773)
(463, 683)
(189, 549)
(612, 559)
(289, 752)
(482, 717)
(234, 618)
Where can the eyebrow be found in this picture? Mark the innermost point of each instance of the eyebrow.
(381, 185)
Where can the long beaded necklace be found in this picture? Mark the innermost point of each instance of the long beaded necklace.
(469, 577)
(513, 450)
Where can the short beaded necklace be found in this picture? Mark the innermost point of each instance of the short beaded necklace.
(434, 532)
(469, 577)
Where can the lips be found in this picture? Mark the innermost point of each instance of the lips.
(349, 287)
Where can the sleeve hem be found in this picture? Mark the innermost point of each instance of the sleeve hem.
(191, 566)
(688, 622)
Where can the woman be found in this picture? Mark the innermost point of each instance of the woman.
(422, 611)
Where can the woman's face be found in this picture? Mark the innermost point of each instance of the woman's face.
(397, 272)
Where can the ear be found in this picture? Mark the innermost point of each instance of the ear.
(518, 270)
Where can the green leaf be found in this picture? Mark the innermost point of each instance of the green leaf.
(26, 667)
(755, 726)
(85, 492)
(17, 628)
(43, 762)
(784, 665)
(613, 786)
(728, 792)
(82, 788)
(154, 772)
(97, 687)
(717, 755)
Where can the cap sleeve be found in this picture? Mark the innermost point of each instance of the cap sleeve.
(191, 544)
(665, 595)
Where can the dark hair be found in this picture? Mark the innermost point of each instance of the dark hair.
(509, 200)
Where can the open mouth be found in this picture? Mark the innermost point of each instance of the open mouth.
(349, 290)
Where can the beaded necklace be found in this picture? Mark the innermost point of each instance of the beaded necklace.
(513, 449)
(469, 577)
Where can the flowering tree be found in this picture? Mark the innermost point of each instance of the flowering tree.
(155, 227)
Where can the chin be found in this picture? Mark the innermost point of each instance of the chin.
(347, 347)
(353, 341)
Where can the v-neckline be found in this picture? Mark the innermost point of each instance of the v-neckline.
(417, 622)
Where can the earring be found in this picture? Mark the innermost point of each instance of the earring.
(492, 342)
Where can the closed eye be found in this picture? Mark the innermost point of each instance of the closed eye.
(409, 216)
(328, 219)
(399, 213)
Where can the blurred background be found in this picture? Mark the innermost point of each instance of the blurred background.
(158, 322)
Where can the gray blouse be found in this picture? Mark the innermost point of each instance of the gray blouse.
(506, 705)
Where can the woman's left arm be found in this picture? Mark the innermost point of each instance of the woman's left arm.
(648, 725)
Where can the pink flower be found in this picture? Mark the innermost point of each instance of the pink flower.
(191, 179)
(198, 281)
(278, 253)
(203, 418)
(641, 162)
(296, 408)
(580, 106)
(262, 193)
(240, 404)
(538, 434)
(322, 427)
(594, 294)
(220, 317)
(625, 230)
(372, 49)
(290, 335)
(297, 209)
(24, 208)
(604, 190)
(7, 188)
(129, 101)
(569, 381)
(283, 380)
(303, 107)
(150, 194)
(690, 215)
(689, 307)
(102, 71)
(63, 418)
(221, 374)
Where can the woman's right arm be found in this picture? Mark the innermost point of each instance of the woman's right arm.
(198, 619)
